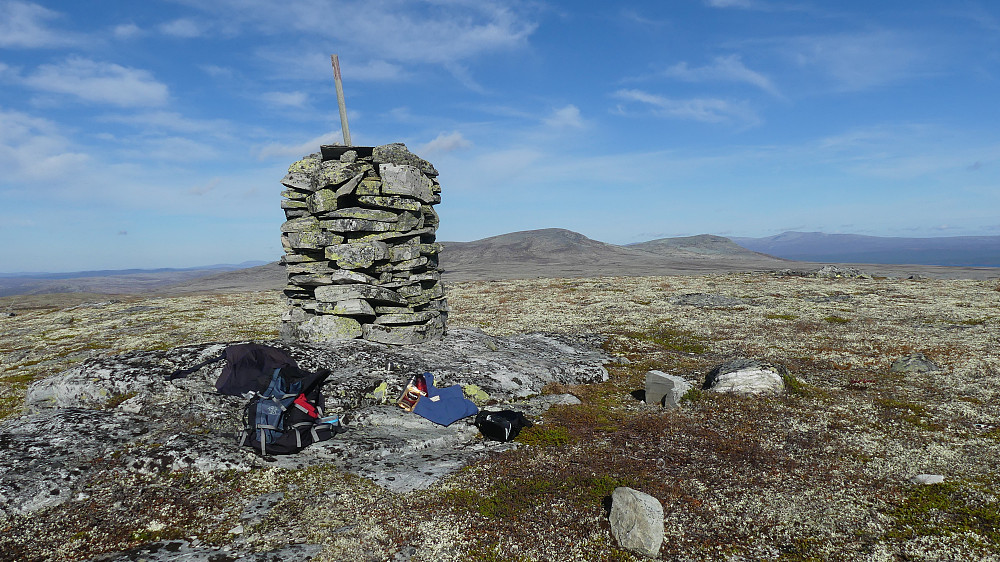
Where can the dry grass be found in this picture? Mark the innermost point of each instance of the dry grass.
(820, 473)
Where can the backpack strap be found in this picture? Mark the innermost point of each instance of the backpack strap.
(182, 373)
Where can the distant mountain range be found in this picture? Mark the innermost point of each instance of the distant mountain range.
(556, 252)
(118, 281)
(975, 251)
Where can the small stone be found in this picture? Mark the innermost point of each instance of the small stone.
(237, 530)
(927, 479)
(636, 521)
(349, 156)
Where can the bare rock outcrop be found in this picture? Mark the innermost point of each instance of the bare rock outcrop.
(123, 408)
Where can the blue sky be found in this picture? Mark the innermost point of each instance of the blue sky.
(155, 133)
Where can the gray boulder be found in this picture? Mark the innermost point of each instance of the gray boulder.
(913, 363)
(636, 521)
(665, 389)
(746, 376)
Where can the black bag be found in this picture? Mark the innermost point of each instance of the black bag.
(504, 425)
(285, 417)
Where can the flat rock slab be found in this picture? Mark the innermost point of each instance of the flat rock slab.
(169, 551)
(123, 407)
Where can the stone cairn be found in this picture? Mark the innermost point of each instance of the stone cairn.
(360, 248)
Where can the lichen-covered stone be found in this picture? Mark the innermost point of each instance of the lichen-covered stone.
(406, 181)
(380, 215)
(334, 173)
(403, 252)
(405, 334)
(369, 187)
(397, 153)
(411, 318)
(300, 174)
(328, 327)
(293, 204)
(335, 293)
(350, 307)
(390, 202)
(322, 201)
(358, 255)
(310, 240)
(304, 224)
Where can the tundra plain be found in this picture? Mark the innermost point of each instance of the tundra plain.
(821, 472)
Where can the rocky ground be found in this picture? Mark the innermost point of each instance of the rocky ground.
(822, 471)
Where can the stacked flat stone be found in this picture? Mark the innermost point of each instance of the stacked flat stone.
(360, 249)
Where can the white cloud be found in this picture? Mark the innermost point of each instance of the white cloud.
(565, 118)
(183, 28)
(127, 31)
(204, 188)
(99, 82)
(708, 110)
(373, 70)
(445, 142)
(726, 68)
(159, 121)
(860, 61)
(33, 149)
(217, 71)
(730, 3)
(290, 99)
(24, 25)
(431, 31)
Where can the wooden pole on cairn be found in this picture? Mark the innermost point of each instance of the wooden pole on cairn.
(340, 99)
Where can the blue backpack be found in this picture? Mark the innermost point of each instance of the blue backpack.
(288, 415)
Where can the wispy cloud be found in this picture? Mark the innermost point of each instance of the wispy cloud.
(391, 31)
(184, 28)
(708, 110)
(99, 82)
(171, 121)
(26, 25)
(745, 4)
(298, 150)
(127, 31)
(287, 99)
(728, 68)
(445, 142)
(860, 61)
